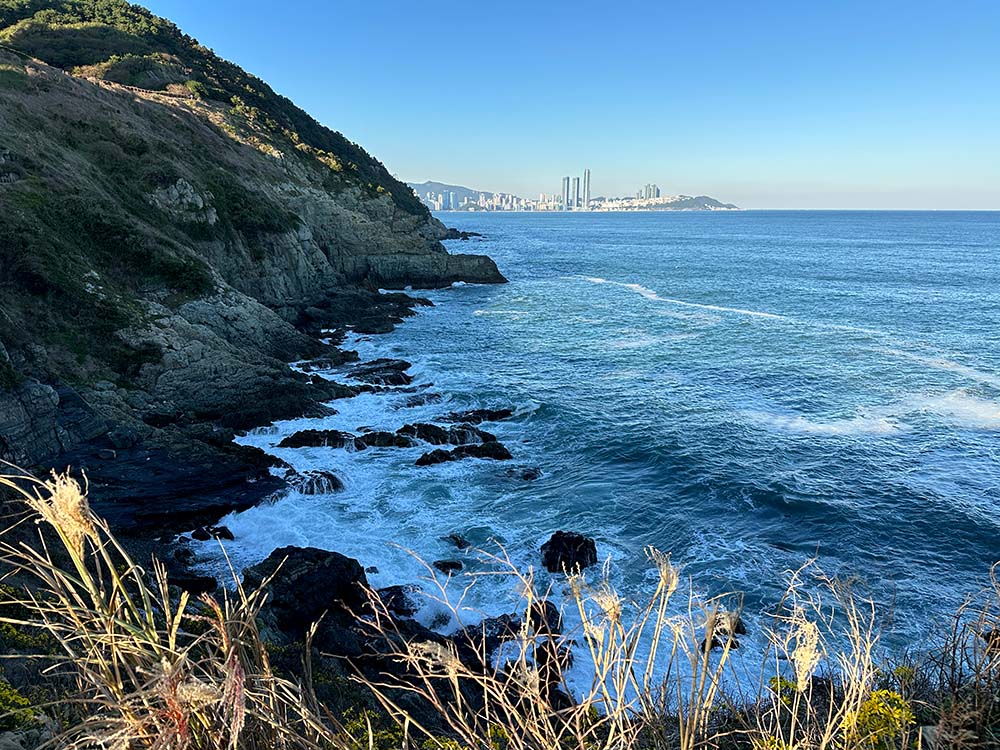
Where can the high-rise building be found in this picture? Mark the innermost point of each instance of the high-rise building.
(452, 203)
(586, 190)
(575, 194)
(565, 193)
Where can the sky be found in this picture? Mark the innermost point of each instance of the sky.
(767, 104)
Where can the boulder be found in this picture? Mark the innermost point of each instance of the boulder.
(458, 540)
(448, 566)
(315, 482)
(204, 533)
(319, 439)
(400, 601)
(495, 451)
(308, 583)
(477, 416)
(527, 474)
(194, 584)
(437, 456)
(421, 399)
(435, 435)
(568, 551)
(382, 372)
(383, 439)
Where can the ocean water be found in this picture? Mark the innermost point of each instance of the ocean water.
(746, 390)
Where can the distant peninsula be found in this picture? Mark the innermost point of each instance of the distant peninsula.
(440, 196)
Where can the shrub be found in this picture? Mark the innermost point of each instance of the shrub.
(15, 709)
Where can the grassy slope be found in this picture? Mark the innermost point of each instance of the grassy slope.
(126, 43)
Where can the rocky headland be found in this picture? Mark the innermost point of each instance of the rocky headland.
(173, 234)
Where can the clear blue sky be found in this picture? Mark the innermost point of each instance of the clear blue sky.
(797, 104)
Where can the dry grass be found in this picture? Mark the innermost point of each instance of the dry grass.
(152, 668)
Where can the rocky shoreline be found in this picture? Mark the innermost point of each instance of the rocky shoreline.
(310, 583)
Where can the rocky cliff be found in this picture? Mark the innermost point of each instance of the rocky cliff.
(168, 245)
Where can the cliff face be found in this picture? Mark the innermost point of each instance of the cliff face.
(164, 253)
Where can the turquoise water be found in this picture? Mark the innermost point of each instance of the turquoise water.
(747, 390)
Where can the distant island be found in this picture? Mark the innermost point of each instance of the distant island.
(440, 196)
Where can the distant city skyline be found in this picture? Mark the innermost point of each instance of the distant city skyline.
(782, 105)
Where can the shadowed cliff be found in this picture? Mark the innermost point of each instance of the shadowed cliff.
(172, 232)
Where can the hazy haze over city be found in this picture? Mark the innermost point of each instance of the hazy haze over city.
(782, 104)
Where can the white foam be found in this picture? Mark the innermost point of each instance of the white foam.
(863, 424)
(948, 365)
(654, 297)
(959, 408)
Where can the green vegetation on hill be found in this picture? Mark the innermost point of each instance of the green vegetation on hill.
(125, 43)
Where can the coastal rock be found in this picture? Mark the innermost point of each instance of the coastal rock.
(568, 551)
(438, 456)
(382, 439)
(315, 482)
(529, 475)
(435, 435)
(194, 584)
(478, 416)
(492, 450)
(495, 451)
(204, 533)
(307, 583)
(329, 361)
(383, 372)
(421, 399)
(458, 540)
(400, 601)
(448, 566)
(320, 439)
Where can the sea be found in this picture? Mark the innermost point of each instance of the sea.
(749, 391)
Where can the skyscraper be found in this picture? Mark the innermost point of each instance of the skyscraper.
(575, 193)
(565, 194)
(586, 190)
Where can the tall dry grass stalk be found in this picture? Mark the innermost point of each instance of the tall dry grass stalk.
(151, 667)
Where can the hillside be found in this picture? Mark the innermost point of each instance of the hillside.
(172, 232)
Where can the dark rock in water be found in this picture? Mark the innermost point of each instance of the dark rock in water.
(193, 584)
(421, 399)
(528, 475)
(318, 411)
(330, 361)
(400, 600)
(374, 325)
(371, 570)
(494, 451)
(383, 372)
(308, 583)
(204, 533)
(458, 540)
(319, 439)
(107, 454)
(122, 437)
(382, 439)
(448, 566)
(315, 482)
(438, 456)
(429, 433)
(567, 550)
(544, 617)
(458, 234)
(477, 416)
(182, 555)
(461, 435)
(718, 641)
(466, 434)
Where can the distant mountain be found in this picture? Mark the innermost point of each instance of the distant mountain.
(697, 203)
(461, 193)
